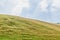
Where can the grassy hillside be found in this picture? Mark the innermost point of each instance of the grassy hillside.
(18, 28)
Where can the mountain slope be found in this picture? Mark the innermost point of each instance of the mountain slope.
(19, 28)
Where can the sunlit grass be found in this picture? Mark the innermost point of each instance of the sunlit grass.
(18, 28)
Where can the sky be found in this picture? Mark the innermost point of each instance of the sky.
(45, 10)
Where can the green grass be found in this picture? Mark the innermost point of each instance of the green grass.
(19, 28)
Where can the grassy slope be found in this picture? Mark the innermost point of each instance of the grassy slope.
(18, 28)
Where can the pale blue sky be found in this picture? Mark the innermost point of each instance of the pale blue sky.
(46, 10)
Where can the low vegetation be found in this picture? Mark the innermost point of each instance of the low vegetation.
(19, 28)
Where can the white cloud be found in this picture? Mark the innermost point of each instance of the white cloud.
(13, 7)
(20, 4)
(43, 5)
(56, 3)
(56, 6)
